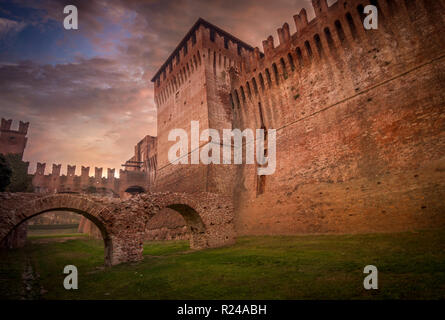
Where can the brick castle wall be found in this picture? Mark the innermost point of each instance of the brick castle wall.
(358, 116)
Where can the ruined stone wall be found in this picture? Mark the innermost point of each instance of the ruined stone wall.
(167, 224)
(359, 119)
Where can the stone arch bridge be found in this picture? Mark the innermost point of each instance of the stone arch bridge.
(122, 223)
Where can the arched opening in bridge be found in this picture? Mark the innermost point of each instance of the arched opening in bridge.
(177, 222)
(56, 225)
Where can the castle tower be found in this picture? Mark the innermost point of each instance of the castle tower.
(13, 141)
(193, 85)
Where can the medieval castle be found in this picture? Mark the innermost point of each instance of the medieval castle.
(359, 116)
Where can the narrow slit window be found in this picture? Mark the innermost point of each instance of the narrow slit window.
(275, 71)
(237, 98)
(269, 80)
(299, 56)
(329, 39)
(243, 95)
(291, 61)
(255, 87)
(308, 49)
(340, 32)
(262, 82)
(249, 92)
(283, 66)
(317, 41)
(261, 184)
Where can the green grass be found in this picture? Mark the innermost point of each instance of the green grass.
(57, 235)
(411, 266)
(49, 232)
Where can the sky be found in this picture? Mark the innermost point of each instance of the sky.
(87, 93)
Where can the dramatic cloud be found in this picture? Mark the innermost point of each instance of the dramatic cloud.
(10, 27)
(86, 92)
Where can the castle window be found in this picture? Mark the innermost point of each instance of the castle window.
(340, 32)
(249, 92)
(199, 58)
(260, 112)
(299, 56)
(262, 82)
(351, 25)
(318, 44)
(255, 87)
(226, 43)
(194, 38)
(283, 66)
(242, 94)
(237, 98)
(275, 71)
(212, 35)
(231, 101)
(291, 61)
(214, 61)
(261, 184)
(329, 39)
(177, 58)
(185, 49)
(238, 49)
(308, 49)
(269, 80)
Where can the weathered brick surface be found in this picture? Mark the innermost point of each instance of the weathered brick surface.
(167, 224)
(359, 116)
(360, 127)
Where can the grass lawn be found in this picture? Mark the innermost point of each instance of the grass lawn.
(54, 229)
(411, 266)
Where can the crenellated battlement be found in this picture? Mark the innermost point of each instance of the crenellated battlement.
(6, 126)
(335, 37)
(13, 141)
(71, 171)
(202, 44)
(70, 182)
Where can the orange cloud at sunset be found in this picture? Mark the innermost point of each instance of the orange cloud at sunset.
(87, 93)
